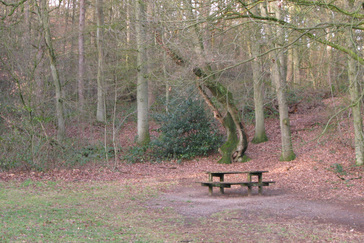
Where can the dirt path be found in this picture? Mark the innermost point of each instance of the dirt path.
(194, 201)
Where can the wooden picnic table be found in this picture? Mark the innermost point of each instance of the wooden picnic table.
(224, 184)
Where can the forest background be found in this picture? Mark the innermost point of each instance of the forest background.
(73, 69)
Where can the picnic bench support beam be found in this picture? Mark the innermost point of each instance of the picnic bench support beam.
(210, 190)
(260, 180)
(221, 180)
(249, 191)
(260, 190)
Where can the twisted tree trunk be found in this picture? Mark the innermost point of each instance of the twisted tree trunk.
(237, 140)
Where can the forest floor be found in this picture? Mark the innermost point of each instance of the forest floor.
(320, 193)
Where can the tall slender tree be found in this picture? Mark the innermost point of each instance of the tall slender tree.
(81, 56)
(142, 75)
(354, 90)
(258, 85)
(278, 78)
(101, 106)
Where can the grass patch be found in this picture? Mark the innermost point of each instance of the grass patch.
(68, 212)
(34, 211)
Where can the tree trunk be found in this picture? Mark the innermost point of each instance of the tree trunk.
(237, 140)
(260, 134)
(81, 56)
(287, 153)
(101, 106)
(296, 66)
(289, 77)
(227, 150)
(355, 96)
(127, 10)
(142, 82)
(279, 81)
(42, 11)
(356, 108)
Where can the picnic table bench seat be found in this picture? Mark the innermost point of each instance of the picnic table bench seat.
(248, 184)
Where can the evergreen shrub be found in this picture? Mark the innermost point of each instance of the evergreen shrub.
(186, 131)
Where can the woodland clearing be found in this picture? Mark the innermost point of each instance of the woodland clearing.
(318, 197)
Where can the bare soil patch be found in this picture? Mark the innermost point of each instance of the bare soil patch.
(274, 205)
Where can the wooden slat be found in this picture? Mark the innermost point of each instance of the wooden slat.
(228, 184)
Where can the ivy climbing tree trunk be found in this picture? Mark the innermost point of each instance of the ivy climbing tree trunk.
(142, 82)
(42, 12)
(237, 139)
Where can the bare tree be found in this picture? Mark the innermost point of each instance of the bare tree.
(258, 85)
(42, 12)
(278, 78)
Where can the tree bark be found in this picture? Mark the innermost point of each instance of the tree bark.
(287, 153)
(296, 66)
(355, 95)
(142, 82)
(356, 109)
(101, 106)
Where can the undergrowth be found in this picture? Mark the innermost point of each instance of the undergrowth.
(186, 131)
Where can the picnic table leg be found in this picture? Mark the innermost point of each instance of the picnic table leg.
(260, 190)
(249, 190)
(260, 180)
(210, 190)
(210, 186)
(221, 180)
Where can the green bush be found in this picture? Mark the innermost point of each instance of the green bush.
(90, 153)
(137, 154)
(338, 169)
(186, 131)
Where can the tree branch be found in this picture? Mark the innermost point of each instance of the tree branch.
(330, 6)
(13, 5)
(341, 48)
